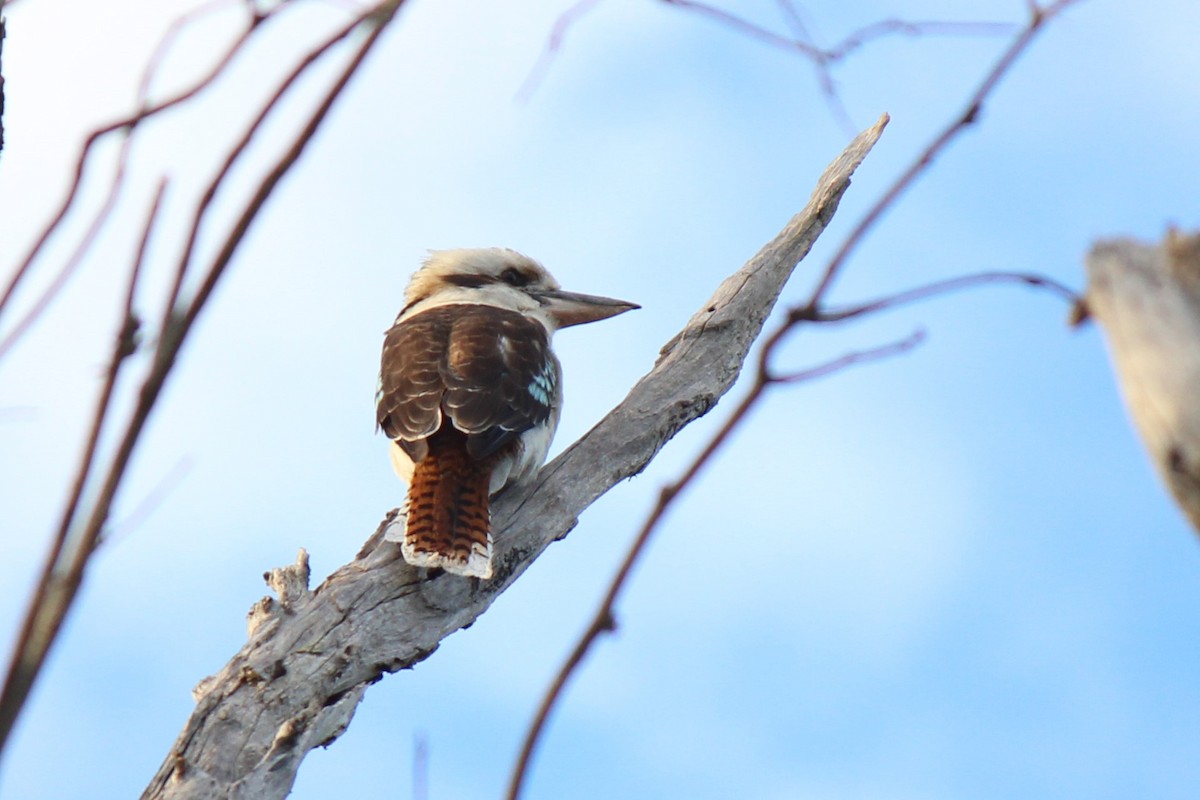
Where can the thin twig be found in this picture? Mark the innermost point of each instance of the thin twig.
(801, 42)
(823, 58)
(126, 126)
(68, 268)
(222, 172)
(747, 28)
(557, 33)
(932, 290)
(923, 160)
(150, 502)
(51, 607)
(853, 358)
(603, 620)
(44, 617)
(888, 27)
(791, 16)
(379, 16)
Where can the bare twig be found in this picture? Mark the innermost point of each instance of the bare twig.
(538, 72)
(126, 126)
(63, 566)
(852, 41)
(807, 313)
(747, 28)
(888, 27)
(63, 575)
(821, 57)
(71, 264)
(1037, 22)
(603, 620)
(853, 358)
(791, 16)
(149, 503)
(222, 172)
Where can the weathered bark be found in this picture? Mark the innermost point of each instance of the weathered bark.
(1147, 300)
(311, 654)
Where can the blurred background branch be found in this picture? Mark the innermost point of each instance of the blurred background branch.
(82, 525)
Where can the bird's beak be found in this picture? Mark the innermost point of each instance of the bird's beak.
(569, 308)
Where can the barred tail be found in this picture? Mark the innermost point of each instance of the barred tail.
(449, 522)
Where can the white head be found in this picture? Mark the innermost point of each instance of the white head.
(497, 276)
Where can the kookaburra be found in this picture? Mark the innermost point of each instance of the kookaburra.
(470, 393)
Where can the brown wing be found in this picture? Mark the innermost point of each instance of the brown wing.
(488, 369)
(408, 403)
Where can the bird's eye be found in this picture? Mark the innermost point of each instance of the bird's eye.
(514, 277)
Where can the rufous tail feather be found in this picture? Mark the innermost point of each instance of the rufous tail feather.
(449, 522)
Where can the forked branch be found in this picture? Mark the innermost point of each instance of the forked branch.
(812, 311)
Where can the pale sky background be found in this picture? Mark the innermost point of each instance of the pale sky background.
(950, 575)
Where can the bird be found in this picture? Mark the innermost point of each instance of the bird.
(470, 393)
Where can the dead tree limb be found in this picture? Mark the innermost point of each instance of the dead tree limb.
(311, 654)
(1147, 301)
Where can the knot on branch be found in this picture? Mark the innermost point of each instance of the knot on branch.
(290, 585)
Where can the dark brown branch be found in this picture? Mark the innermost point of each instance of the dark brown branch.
(52, 602)
(378, 17)
(126, 126)
(268, 184)
(63, 569)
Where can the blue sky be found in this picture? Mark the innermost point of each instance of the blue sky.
(952, 574)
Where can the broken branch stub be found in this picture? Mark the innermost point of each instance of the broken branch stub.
(1147, 301)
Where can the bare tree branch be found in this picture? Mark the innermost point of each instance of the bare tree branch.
(126, 126)
(81, 530)
(851, 42)
(1039, 16)
(822, 58)
(806, 313)
(63, 568)
(603, 620)
(311, 654)
(852, 359)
